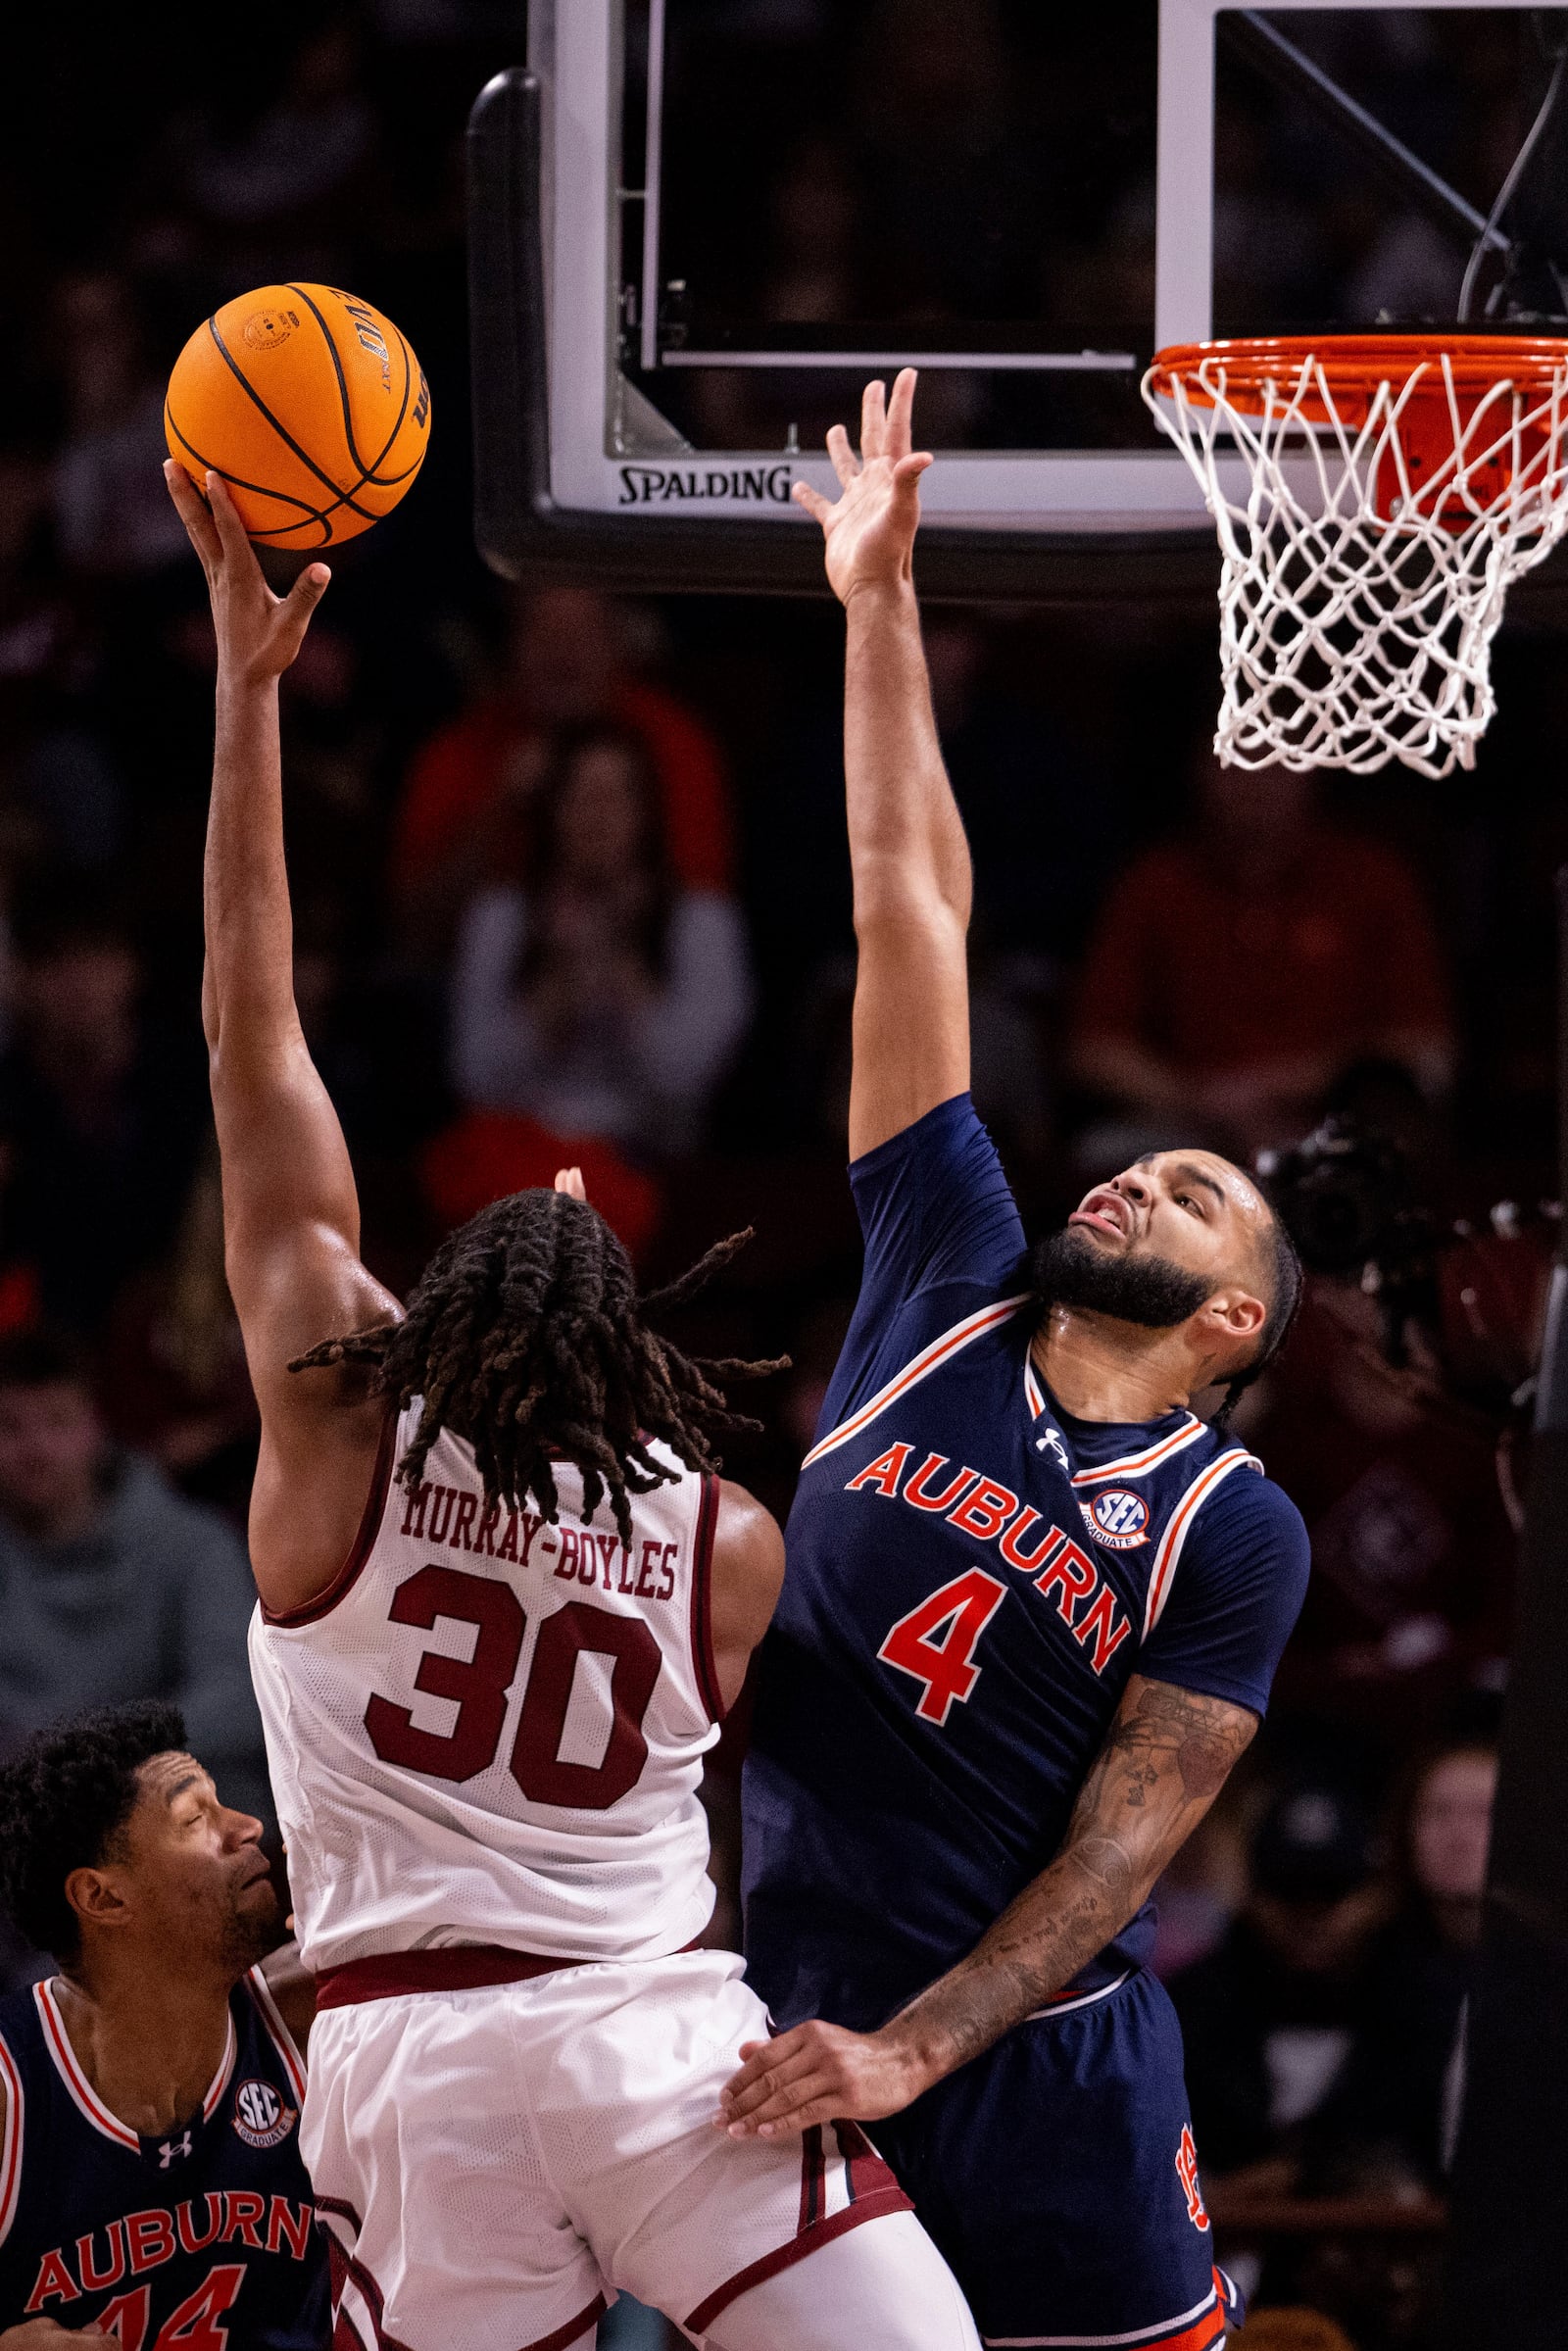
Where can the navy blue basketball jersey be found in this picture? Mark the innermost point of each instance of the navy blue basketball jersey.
(206, 2236)
(972, 1576)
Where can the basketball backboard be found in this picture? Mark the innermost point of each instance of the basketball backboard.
(697, 226)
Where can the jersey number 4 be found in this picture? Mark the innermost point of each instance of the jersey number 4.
(936, 1642)
(480, 1684)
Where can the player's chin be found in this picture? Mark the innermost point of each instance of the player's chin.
(257, 1916)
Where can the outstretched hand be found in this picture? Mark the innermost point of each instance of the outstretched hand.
(258, 633)
(818, 2073)
(870, 531)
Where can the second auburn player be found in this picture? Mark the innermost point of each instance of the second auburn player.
(504, 1600)
(1032, 1605)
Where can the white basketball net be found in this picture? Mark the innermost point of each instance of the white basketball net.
(1351, 637)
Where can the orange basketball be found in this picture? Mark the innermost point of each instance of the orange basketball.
(312, 407)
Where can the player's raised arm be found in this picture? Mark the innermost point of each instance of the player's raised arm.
(908, 853)
(291, 1219)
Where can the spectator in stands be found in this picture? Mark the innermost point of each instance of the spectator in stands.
(599, 995)
(108, 475)
(1239, 972)
(296, 165)
(465, 804)
(1270, 2019)
(173, 1374)
(103, 1118)
(1412, 1550)
(113, 1586)
(1393, 2120)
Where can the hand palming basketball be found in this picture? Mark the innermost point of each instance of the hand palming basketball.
(258, 633)
(871, 530)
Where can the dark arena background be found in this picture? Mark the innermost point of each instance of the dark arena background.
(1356, 976)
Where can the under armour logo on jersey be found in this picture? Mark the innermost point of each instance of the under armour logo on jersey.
(1051, 1441)
(173, 2148)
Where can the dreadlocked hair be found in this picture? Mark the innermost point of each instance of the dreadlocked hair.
(525, 1337)
(1278, 1323)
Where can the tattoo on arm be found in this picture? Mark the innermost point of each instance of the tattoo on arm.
(1166, 1757)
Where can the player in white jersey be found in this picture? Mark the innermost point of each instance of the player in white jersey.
(505, 1599)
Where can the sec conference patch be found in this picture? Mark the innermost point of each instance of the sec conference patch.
(1117, 1518)
(259, 2115)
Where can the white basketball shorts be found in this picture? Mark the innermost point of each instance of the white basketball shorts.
(493, 2165)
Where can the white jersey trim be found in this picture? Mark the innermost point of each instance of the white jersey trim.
(1101, 2342)
(273, 2018)
(1179, 1527)
(81, 2091)
(929, 1359)
(10, 2142)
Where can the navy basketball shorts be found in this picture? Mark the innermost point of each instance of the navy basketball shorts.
(1057, 2175)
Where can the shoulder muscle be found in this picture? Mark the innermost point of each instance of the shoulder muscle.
(747, 1575)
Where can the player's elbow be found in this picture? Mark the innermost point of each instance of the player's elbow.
(900, 897)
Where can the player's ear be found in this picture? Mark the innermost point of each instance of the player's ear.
(1235, 1315)
(1245, 1315)
(98, 1897)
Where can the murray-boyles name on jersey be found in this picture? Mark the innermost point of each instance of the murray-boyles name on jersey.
(490, 1728)
(973, 1575)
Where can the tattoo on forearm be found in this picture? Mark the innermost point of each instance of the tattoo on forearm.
(1164, 1761)
(1103, 1860)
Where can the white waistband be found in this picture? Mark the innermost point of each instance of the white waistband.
(1083, 2000)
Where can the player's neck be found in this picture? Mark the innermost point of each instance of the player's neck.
(149, 2041)
(1099, 1368)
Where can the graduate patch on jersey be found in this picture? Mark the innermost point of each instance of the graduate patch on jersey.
(1117, 1518)
(261, 2117)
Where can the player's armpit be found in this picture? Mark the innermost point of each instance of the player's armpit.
(745, 1578)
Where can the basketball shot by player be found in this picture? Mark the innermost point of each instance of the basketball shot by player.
(505, 1601)
(1032, 1606)
(152, 2191)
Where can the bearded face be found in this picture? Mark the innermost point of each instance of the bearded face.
(1069, 1270)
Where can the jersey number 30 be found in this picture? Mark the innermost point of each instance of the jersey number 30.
(480, 1684)
(936, 1642)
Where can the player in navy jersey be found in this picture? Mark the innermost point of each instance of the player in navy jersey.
(1032, 1605)
(152, 2191)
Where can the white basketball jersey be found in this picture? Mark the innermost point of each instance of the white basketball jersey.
(490, 1730)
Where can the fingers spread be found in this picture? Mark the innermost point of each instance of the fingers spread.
(230, 529)
(900, 413)
(874, 420)
(192, 510)
(843, 457)
(308, 589)
(815, 505)
(293, 616)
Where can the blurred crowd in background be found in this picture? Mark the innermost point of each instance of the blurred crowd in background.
(571, 884)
